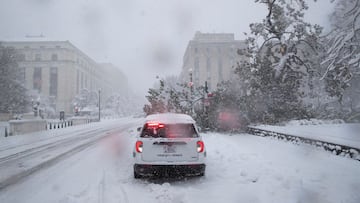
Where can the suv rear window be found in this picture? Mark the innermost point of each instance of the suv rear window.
(169, 131)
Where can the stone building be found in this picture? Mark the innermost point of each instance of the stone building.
(59, 71)
(211, 57)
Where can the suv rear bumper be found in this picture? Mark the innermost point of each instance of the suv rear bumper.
(169, 170)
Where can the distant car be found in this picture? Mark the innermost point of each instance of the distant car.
(169, 145)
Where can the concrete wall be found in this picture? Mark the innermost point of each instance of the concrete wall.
(4, 116)
(80, 120)
(18, 127)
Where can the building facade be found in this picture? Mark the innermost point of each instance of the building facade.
(114, 80)
(211, 57)
(59, 71)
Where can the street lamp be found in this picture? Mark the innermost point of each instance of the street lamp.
(191, 82)
(99, 104)
(191, 91)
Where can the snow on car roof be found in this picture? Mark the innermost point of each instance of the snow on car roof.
(170, 118)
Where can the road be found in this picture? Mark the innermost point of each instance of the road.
(240, 168)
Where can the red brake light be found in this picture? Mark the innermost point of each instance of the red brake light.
(155, 125)
(138, 146)
(200, 146)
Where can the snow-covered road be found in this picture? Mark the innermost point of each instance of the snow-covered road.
(240, 168)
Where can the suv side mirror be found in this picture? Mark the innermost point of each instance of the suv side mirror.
(139, 129)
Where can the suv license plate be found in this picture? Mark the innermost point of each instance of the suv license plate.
(169, 149)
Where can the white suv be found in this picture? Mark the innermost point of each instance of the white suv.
(169, 144)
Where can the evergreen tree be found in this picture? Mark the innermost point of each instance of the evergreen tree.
(156, 100)
(13, 94)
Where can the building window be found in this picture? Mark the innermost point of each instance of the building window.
(196, 50)
(232, 61)
(42, 47)
(197, 82)
(86, 82)
(20, 57)
(82, 81)
(196, 67)
(53, 81)
(208, 68)
(37, 79)
(54, 57)
(22, 75)
(58, 47)
(37, 57)
(26, 47)
(220, 69)
(77, 81)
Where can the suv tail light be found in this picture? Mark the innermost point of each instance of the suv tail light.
(200, 146)
(155, 125)
(139, 146)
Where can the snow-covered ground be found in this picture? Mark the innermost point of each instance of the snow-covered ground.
(240, 168)
(347, 134)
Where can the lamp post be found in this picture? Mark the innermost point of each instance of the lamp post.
(99, 104)
(191, 82)
(191, 92)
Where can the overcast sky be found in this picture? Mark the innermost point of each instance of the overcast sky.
(144, 38)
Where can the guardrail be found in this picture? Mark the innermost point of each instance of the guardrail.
(336, 149)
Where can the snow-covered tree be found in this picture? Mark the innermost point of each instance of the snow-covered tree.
(13, 94)
(342, 61)
(118, 105)
(172, 96)
(43, 106)
(156, 99)
(86, 98)
(282, 51)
